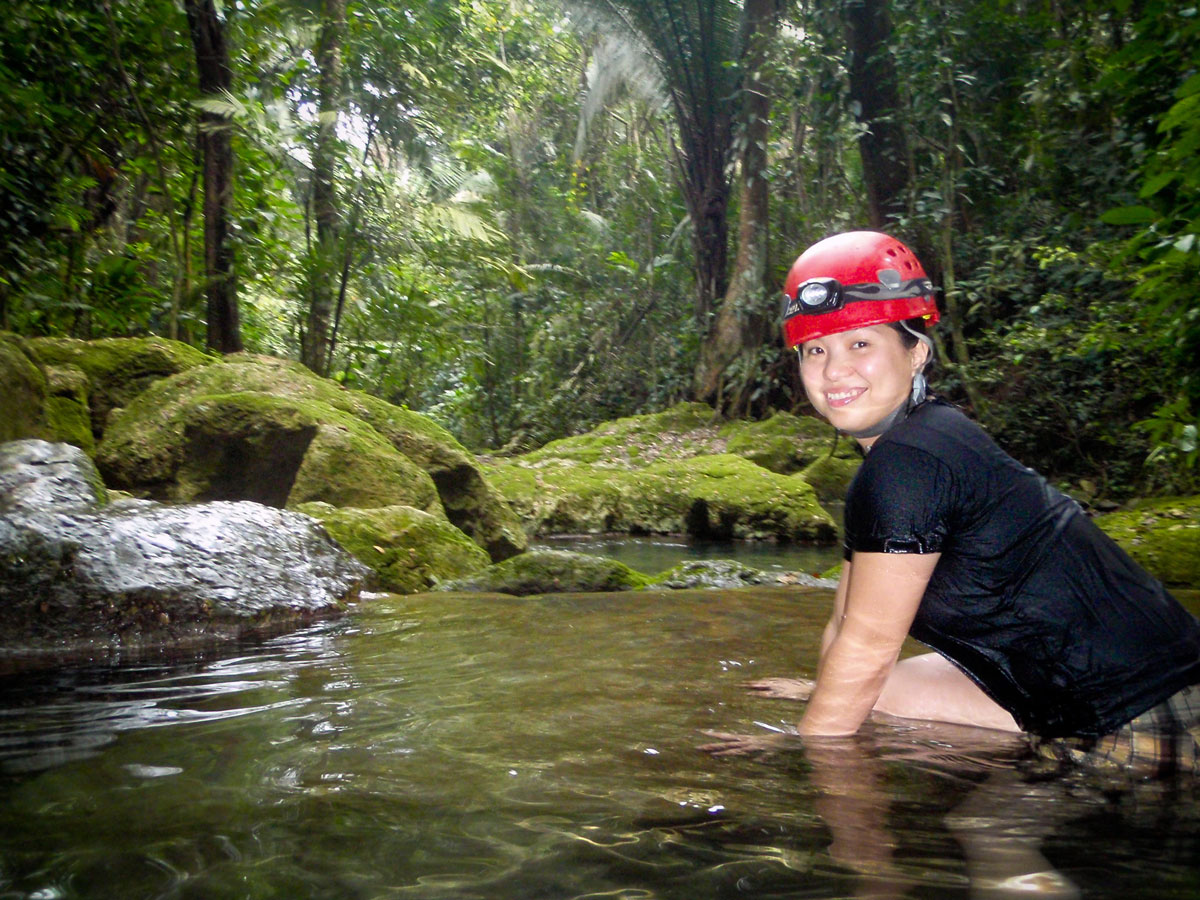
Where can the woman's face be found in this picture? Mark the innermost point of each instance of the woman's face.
(856, 378)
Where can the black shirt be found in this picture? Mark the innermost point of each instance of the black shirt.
(1041, 608)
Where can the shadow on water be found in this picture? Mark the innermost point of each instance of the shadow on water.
(467, 746)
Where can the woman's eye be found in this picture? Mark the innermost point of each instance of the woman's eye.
(859, 344)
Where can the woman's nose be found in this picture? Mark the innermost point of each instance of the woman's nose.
(835, 366)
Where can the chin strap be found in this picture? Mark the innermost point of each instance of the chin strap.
(919, 392)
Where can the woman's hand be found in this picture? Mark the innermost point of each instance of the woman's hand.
(728, 744)
(781, 688)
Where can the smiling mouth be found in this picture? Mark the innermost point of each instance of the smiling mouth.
(843, 398)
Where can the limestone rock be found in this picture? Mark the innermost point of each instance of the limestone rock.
(76, 574)
(255, 427)
(117, 369)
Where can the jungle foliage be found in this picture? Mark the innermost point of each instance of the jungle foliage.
(525, 218)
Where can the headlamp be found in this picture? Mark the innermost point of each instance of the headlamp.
(820, 295)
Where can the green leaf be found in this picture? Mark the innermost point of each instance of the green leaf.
(1129, 215)
(1156, 184)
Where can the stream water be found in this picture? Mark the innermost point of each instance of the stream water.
(466, 746)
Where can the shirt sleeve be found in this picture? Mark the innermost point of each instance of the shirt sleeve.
(900, 502)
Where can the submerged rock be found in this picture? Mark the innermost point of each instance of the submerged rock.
(551, 572)
(729, 573)
(79, 575)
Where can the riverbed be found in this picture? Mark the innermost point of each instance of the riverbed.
(471, 746)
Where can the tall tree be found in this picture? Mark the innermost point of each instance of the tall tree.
(318, 341)
(694, 46)
(216, 144)
(740, 328)
(875, 95)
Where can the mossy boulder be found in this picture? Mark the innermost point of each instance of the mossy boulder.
(470, 502)
(672, 473)
(722, 496)
(40, 401)
(1163, 536)
(66, 412)
(784, 443)
(551, 572)
(684, 430)
(256, 427)
(24, 390)
(117, 369)
(407, 549)
(830, 476)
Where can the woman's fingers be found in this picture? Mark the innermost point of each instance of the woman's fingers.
(782, 688)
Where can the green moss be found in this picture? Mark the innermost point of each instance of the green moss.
(24, 390)
(710, 496)
(68, 421)
(730, 497)
(407, 549)
(783, 443)
(682, 430)
(552, 571)
(1163, 536)
(830, 476)
(118, 369)
(349, 464)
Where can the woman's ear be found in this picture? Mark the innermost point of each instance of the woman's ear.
(920, 354)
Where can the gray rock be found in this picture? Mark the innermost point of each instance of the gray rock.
(135, 573)
(729, 573)
(36, 476)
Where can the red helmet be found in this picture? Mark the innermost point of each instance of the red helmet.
(853, 280)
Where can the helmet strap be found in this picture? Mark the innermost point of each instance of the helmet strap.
(920, 392)
(896, 415)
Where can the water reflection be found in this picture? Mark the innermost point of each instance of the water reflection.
(443, 746)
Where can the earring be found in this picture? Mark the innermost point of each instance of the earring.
(918, 390)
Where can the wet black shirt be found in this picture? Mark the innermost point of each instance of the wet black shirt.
(1051, 618)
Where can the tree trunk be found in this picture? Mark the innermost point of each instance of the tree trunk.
(317, 349)
(876, 95)
(706, 193)
(742, 321)
(215, 140)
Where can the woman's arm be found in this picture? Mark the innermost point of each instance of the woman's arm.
(834, 625)
(879, 595)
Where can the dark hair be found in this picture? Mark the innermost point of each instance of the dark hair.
(909, 330)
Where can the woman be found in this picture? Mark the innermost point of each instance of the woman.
(1040, 622)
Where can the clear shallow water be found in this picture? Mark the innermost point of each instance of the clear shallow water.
(653, 555)
(455, 746)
